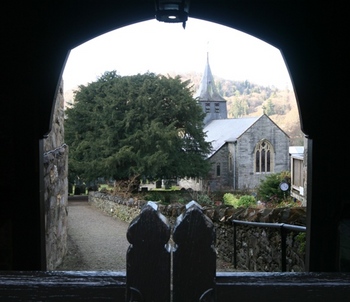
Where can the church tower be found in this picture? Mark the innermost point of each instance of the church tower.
(213, 104)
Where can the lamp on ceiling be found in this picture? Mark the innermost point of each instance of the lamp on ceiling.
(172, 11)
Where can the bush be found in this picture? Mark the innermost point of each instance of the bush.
(246, 201)
(154, 196)
(243, 201)
(289, 202)
(182, 200)
(204, 199)
(269, 190)
(230, 200)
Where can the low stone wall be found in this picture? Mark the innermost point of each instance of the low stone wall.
(258, 249)
(115, 206)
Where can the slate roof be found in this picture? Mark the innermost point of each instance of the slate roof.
(207, 90)
(226, 130)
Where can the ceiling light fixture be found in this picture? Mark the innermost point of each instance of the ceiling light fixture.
(172, 11)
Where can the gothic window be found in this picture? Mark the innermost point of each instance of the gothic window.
(207, 107)
(230, 162)
(263, 157)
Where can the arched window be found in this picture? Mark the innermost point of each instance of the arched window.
(264, 156)
(218, 169)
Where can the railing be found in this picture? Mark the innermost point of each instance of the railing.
(283, 232)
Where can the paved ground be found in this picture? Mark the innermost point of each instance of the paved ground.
(96, 241)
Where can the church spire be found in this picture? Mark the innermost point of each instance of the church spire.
(213, 104)
(207, 90)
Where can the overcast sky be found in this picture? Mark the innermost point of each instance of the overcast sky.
(163, 47)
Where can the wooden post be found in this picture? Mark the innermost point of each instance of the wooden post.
(194, 257)
(148, 257)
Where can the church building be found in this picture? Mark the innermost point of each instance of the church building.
(244, 150)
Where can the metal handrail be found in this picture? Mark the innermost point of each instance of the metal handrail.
(283, 231)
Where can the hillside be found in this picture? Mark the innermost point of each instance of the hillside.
(248, 99)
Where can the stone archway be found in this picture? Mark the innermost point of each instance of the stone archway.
(38, 39)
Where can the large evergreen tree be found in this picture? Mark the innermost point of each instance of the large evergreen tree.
(144, 125)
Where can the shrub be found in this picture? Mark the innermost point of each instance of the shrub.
(230, 200)
(182, 200)
(246, 201)
(204, 199)
(269, 189)
(288, 203)
(154, 196)
(243, 201)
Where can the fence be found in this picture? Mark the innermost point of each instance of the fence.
(283, 233)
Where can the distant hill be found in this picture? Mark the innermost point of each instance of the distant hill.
(245, 98)
(248, 99)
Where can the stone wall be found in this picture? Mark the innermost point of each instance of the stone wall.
(115, 206)
(258, 249)
(56, 187)
(224, 180)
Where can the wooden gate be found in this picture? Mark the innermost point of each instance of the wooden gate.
(178, 267)
(173, 264)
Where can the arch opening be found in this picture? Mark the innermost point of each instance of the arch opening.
(168, 57)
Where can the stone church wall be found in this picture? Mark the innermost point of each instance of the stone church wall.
(264, 128)
(240, 174)
(224, 181)
(56, 187)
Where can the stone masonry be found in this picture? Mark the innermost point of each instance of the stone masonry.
(56, 187)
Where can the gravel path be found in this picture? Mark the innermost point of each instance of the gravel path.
(96, 241)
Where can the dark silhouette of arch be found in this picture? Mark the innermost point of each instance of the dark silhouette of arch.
(37, 37)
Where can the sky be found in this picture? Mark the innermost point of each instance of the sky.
(167, 47)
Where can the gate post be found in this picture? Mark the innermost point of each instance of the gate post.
(194, 257)
(148, 258)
